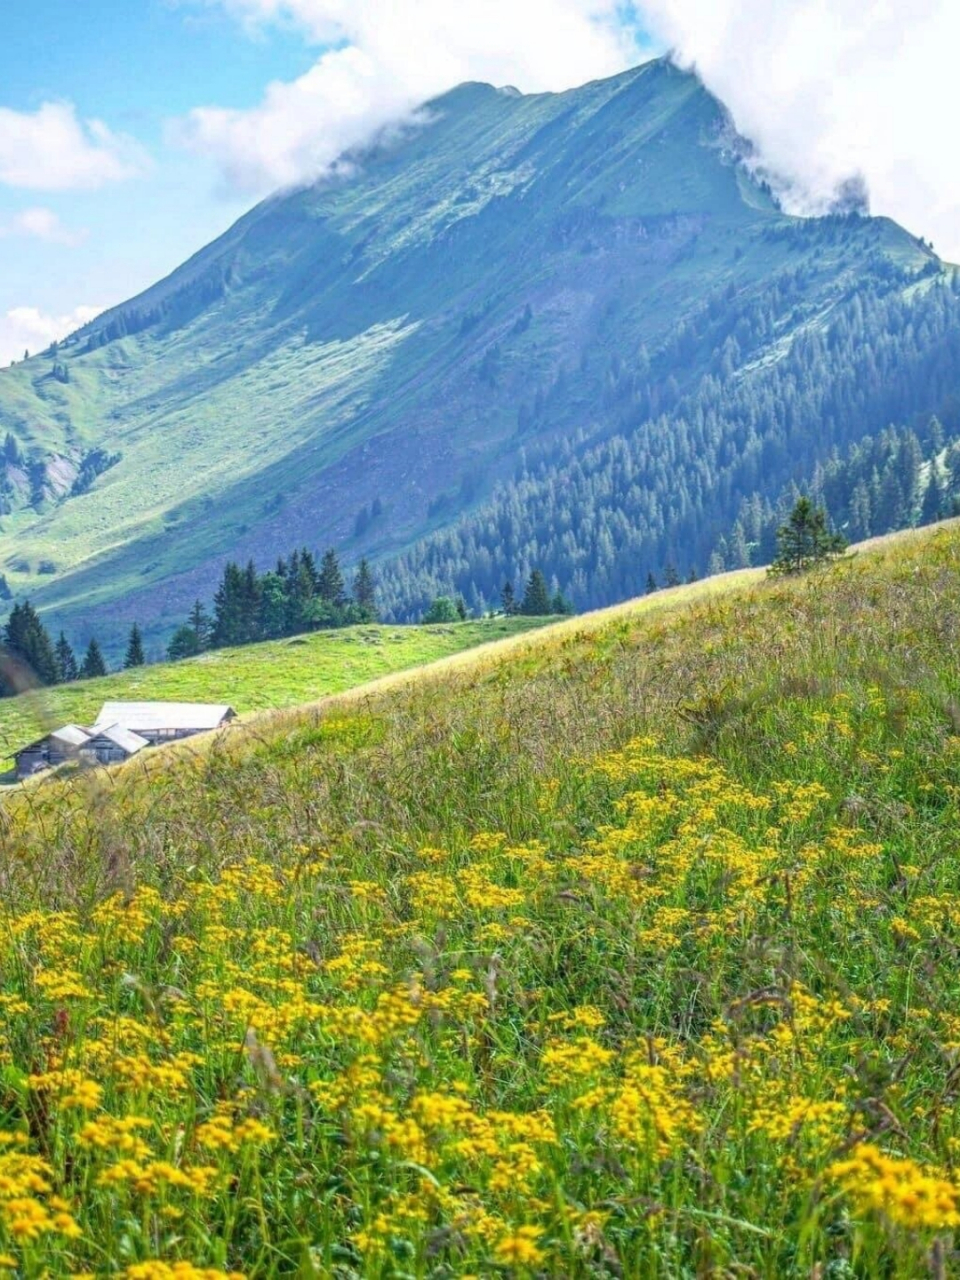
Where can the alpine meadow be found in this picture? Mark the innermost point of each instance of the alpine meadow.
(479, 688)
(628, 950)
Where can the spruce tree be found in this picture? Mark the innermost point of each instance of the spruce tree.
(461, 608)
(183, 644)
(301, 596)
(26, 639)
(249, 605)
(273, 606)
(508, 599)
(134, 656)
(93, 663)
(806, 539)
(199, 624)
(651, 586)
(931, 508)
(365, 592)
(228, 609)
(536, 596)
(67, 668)
(330, 585)
(671, 577)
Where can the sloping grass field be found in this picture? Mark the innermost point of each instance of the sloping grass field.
(278, 673)
(630, 950)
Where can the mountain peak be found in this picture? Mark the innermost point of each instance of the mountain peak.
(397, 339)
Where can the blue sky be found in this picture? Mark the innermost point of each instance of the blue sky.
(135, 65)
(132, 132)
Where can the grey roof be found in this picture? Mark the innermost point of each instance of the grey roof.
(121, 737)
(163, 715)
(74, 735)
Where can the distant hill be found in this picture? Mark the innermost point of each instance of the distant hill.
(570, 328)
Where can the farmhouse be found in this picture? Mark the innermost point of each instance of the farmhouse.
(111, 745)
(121, 730)
(164, 721)
(53, 749)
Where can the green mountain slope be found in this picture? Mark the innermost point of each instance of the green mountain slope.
(506, 275)
(629, 949)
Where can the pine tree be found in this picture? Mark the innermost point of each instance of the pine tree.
(93, 663)
(508, 599)
(536, 597)
(250, 612)
(301, 596)
(560, 605)
(67, 668)
(134, 656)
(365, 592)
(330, 586)
(228, 606)
(199, 624)
(183, 644)
(806, 539)
(309, 566)
(931, 509)
(26, 639)
(672, 578)
(651, 586)
(273, 606)
(461, 605)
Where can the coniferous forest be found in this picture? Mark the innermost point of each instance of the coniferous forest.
(700, 479)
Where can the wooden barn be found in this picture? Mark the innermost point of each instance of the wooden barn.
(111, 744)
(121, 730)
(51, 750)
(164, 721)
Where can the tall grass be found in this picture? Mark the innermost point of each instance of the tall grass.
(633, 952)
(256, 677)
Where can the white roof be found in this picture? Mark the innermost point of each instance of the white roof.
(146, 716)
(74, 735)
(122, 737)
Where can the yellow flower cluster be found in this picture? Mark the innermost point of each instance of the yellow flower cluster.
(900, 1189)
(606, 1045)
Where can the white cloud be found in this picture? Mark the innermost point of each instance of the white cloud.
(388, 57)
(29, 329)
(42, 224)
(51, 149)
(830, 88)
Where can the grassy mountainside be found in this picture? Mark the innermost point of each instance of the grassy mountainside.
(515, 275)
(257, 677)
(628, 951)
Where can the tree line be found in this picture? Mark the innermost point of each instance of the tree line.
(31, 656)
(297, 595)
(248, 606)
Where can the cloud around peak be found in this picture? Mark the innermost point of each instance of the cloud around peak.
(851, 91)
(385, 57)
